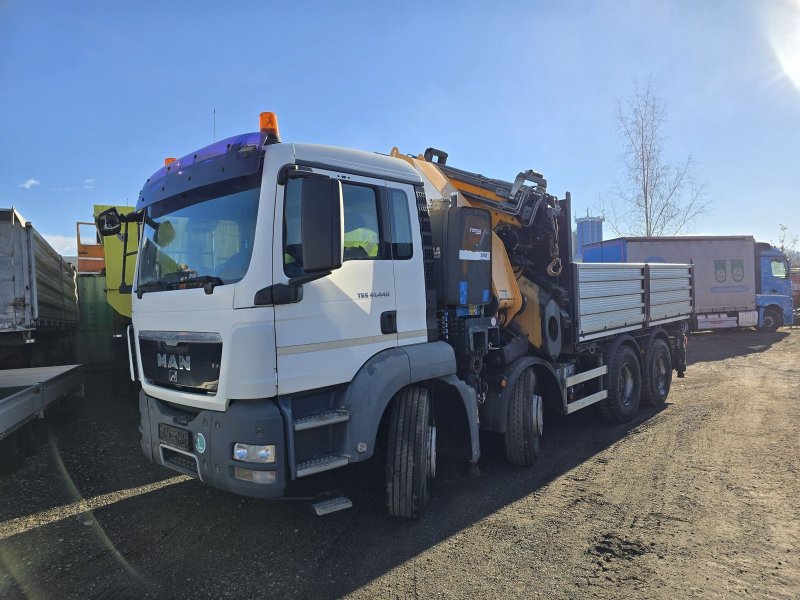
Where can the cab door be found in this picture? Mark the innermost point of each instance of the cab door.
(336, 323)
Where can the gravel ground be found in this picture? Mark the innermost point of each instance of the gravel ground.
(698, 499)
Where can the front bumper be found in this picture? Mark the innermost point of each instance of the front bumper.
(246, 421)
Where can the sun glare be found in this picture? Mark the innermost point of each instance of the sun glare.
(783, 27)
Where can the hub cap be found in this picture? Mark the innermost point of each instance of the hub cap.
(625, 385)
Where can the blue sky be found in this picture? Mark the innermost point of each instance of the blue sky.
(93, 95)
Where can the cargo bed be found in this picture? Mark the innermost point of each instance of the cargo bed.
(25, 394)
(617, 297)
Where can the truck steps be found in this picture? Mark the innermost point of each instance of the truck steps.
(318, 465)
(331, 505)
(323, 419)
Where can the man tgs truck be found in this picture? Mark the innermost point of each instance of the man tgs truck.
(299, 308)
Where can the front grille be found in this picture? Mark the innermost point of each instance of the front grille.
(185, 361)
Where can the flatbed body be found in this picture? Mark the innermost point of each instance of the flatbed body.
(25, 394)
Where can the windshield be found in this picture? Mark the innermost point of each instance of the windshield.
(201, 237)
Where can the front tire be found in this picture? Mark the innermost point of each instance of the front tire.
(411, 453)
(524, 429)
(624, 386)
(772, 320)
(657, 374)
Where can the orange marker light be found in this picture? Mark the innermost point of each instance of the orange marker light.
(268, 124)
(169, 160)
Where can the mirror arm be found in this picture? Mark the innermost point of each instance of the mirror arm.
(286, 293)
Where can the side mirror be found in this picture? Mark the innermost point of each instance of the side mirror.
(322, 224)
(108, 222)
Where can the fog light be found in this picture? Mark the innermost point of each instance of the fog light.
(254, 454)
(254, 476)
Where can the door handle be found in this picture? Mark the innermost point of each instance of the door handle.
(389, 321)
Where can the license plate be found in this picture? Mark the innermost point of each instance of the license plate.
(175, 437)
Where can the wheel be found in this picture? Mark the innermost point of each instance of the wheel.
(657, 374)
(772, 320)
(524, 429)
(411, 453)
(624, 386)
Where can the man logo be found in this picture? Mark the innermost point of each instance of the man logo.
(169, 361)
(173, 377)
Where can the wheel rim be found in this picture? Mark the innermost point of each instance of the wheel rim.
(432, 452)
(625, 384)
(769, 321)
(661, 375)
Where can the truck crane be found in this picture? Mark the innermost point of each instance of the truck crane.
(297, 308)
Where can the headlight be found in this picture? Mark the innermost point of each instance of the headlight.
(254, 454)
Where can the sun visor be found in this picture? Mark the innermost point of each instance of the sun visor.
(233, 157)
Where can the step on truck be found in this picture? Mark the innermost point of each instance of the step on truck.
(298, 308)
(738, 282)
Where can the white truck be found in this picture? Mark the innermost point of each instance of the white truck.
(298, 308)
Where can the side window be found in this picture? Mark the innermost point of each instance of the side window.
(361, 229)
(292, 243)
(362, 238)
(779, 269)
(402, 244)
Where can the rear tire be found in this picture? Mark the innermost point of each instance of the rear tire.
(411, 453)
(624, 386)
(657, 374)
(772, 320)
(524, 430)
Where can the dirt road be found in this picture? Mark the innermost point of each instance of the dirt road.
(700, 499)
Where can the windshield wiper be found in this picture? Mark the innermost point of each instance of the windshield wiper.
(151, 286)
(209, 282)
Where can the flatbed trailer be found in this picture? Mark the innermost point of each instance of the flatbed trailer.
(26, 394)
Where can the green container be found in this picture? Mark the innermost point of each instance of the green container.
(98, 324)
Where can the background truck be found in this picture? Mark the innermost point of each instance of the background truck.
(737, 281)
(38, 319)
(299, 308)
(38, 297)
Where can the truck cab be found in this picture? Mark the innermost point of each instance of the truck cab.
(774, 297)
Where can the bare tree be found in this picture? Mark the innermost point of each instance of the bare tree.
(787, 242)
(653, 197)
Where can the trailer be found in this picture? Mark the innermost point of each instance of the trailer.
(38, 297)
(26, 395)
(738, 282)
